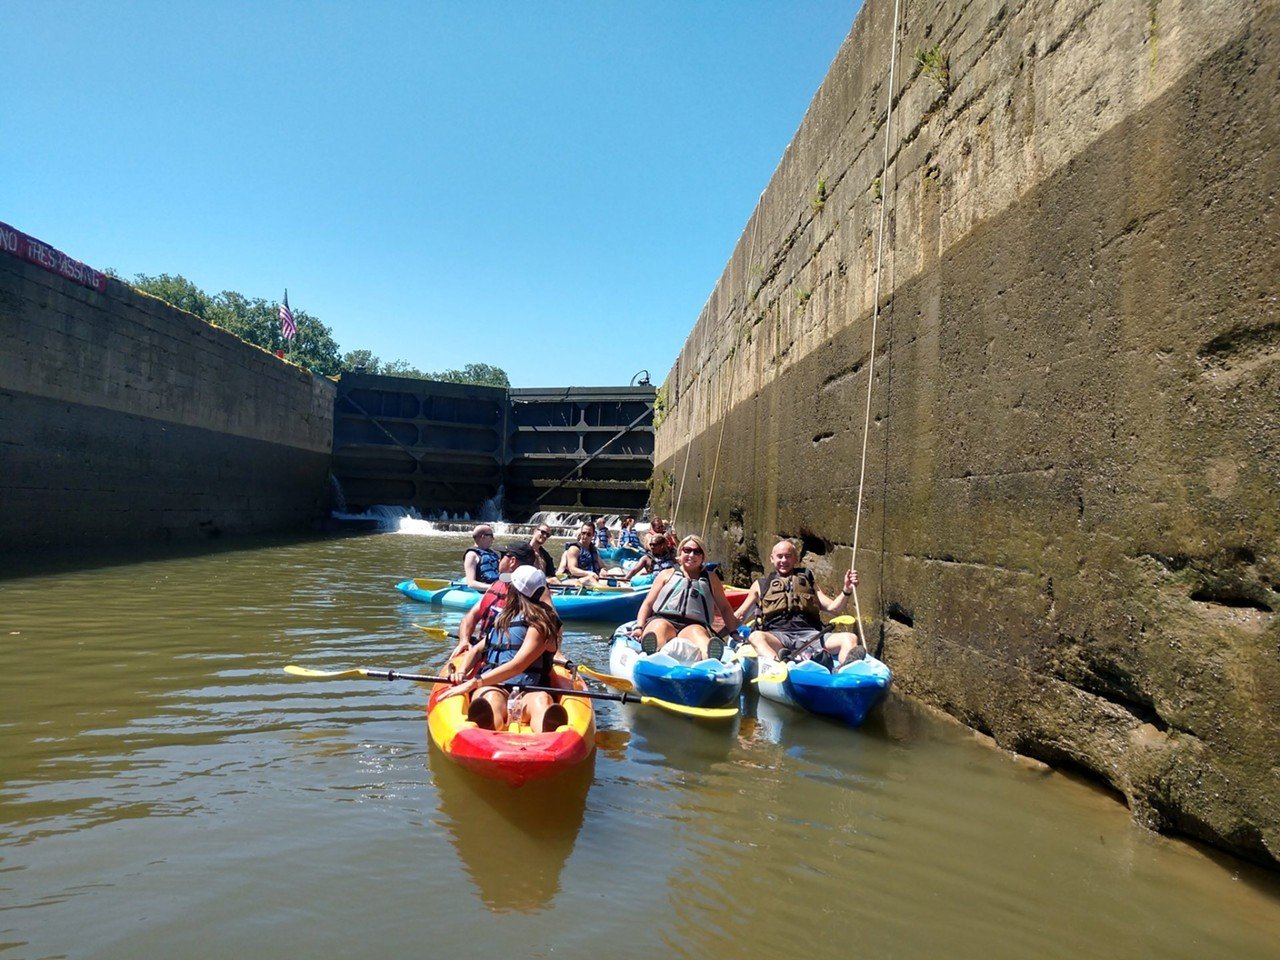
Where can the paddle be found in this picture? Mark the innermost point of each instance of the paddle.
(771, 678)
(749, 651)
(844, 620)
(709, 712)
(426, 584)
(608, 679)
(609, 586)
(437, 633)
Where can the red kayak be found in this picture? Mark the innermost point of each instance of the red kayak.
(517, 754)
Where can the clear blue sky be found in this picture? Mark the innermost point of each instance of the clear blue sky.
(552, 187)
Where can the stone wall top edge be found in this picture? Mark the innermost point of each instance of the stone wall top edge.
(221, 354)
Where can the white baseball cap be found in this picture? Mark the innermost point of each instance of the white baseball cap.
(530, 581)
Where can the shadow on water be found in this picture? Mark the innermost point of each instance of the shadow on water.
(513, 843)
(101, 556)
(672, 741)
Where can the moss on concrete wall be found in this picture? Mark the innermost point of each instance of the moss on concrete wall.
(1069, 536)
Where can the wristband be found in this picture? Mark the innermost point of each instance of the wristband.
(847, 593)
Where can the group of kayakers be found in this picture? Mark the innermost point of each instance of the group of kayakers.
(511, 638)
(582, 561)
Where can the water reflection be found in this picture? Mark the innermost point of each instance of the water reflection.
(513, 843)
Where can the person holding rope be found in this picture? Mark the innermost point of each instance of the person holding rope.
(791, 608)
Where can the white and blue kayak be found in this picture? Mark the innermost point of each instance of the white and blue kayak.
(678, 673)
(848, 693)
(601, 603)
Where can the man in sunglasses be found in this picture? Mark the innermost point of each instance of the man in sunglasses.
(791, 608)
(480, 618)
(580, 563)
(541, 559)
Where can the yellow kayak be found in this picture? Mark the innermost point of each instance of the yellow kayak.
(517, 754)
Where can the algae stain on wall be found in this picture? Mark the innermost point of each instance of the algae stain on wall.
(1075, 448)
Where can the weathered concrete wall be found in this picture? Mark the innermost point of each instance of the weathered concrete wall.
(1071, 534)
(123, 419)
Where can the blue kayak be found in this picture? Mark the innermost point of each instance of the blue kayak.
(619, 554)
(848, 694)
(684, 678)
(602, 604)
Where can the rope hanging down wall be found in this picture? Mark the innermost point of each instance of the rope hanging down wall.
(875, 316)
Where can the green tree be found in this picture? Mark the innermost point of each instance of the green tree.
(482, 373)
(179, 291)
(361, 358)
(401, 368)
(258, 321)
(255, 320)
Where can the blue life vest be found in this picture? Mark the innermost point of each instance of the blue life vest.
(501, 646)
(486, 564)
(630, 539)
(587, 559)
(602, 536)
(665, 562)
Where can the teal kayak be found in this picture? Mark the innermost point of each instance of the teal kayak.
(613, 603)
(619, 554)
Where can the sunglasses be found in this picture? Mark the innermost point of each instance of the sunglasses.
(542, 533)
(690, 550)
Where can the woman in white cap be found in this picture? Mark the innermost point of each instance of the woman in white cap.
(518, 651)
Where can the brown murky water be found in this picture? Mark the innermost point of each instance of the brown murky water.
(165, 790)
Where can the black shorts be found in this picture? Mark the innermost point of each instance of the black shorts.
(793, 638)
(678, 622)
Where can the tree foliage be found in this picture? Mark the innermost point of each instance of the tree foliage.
(252, 319)
(258, 321)
(179, 291)
(482, 373)
(479, 373)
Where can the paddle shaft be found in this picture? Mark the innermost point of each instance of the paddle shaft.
(420, 678)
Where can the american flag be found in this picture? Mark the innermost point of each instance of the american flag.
(287, 327)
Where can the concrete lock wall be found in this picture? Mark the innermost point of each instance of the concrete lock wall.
(1070, 537)
(123, 419)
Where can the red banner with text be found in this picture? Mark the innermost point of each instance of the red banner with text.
(24, 247)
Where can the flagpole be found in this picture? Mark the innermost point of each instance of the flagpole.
(288, 329)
